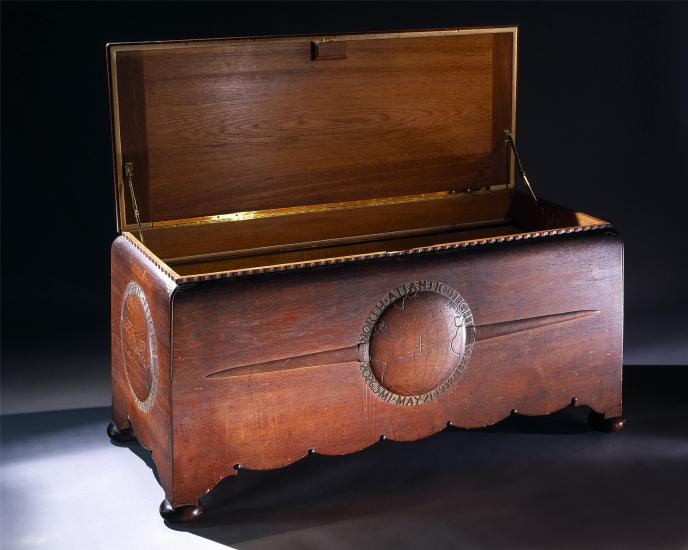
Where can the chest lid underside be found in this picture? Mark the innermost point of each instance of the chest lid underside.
(217, 130)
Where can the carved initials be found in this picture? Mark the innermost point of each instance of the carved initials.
(419, 347)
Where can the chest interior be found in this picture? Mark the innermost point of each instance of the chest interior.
(237, 154)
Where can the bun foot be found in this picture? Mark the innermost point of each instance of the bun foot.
(602, 424)
(181, 514)
(123, 436)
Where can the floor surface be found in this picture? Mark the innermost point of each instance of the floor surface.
(545, 482)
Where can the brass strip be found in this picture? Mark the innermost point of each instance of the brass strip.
(510, 140)
(514, 93)
(120, 206)
(129, 172)
(311, 208)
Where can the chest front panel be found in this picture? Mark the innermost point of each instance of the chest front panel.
(396, 348)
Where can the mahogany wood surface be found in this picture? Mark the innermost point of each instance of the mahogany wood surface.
(548, 318)
(250, 343)
(131, 122)
(269, 419)
(218, 250)
(131, 353)
(180, 514)
(255, 258)
(121, 436)
(604, 424)
(329, 227)
(221, 127)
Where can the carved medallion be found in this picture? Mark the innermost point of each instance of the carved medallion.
(139, 348)
(416, 342)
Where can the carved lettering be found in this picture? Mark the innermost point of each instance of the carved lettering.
(411, 353)
(419, 350)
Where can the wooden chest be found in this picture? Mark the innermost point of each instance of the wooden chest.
(322, 245)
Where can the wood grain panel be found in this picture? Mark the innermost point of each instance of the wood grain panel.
(343, 250)
(255, 125)
(151, 424)
(270, 419)
(133, 134)
(351, 354)
(218, 247)
(502, 109)
(310, 230)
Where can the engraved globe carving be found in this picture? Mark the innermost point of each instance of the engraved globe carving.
(416, 342)
(139, 346)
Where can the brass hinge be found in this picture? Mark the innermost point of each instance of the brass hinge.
(509, 138)
(129, 174)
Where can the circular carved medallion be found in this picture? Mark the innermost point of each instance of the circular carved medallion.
(416, 342)
(139, 348)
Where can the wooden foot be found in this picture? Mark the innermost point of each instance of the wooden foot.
(181, 514)
(123, 436)
(602, 424)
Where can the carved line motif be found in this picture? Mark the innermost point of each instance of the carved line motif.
(134, 291)
(497, 330)
(350, 354)
(397, 298)
(162, 266)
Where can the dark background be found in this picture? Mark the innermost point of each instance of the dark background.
(602, 119)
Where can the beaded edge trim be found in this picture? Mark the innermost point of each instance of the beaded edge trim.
(184, 279)
(157, 262)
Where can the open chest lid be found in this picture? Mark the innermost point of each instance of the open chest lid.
(242, 128)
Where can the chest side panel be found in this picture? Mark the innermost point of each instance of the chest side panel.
(140, 346)
(332, 359)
